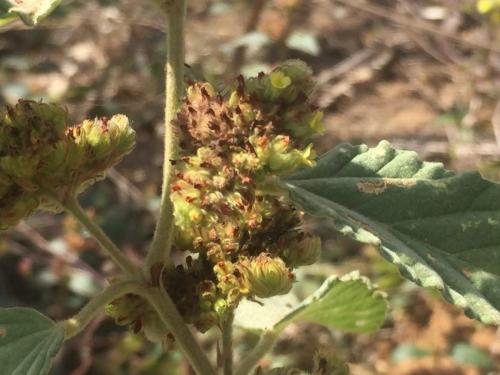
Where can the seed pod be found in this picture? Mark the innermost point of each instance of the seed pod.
(302, 250)
(267, 277)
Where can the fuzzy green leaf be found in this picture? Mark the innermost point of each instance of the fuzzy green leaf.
(348, 303)
(28, 341)
(442, 229)
(32, 11)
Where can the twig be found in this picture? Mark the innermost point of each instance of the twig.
(421, 25)
(66, 257)
(85, 347)
(252, 23)
(266, 343)
(125, 186)
(73, 207)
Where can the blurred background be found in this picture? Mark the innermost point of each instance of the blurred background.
(424, 75)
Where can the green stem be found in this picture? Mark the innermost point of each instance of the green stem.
(174, 322)
(76, 324)
(266, 343)
(73, 207)
(227, 343)
(174, 87)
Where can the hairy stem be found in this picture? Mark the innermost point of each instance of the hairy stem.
(227, 343)
(73, 207)
(76, 324)
(174, 86)
(266, 343)
(169, 315)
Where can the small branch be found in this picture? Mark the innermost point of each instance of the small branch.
(76, 324)
(69, 258)
(227, 343)
(85, 347)
(266, 343)
(174, 87)
(421, 25)
(174, 322)
(252, 23)
(73, 207)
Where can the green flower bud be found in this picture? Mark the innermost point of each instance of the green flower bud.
(302, 250)
(300, 74)
(103, 142)
(40, 154)
(284, 84)
(267, 277)
(21, 169)
(15, 205)
(125, 310)
(221, 307)
(279, 156)
(29, 127)
(304, 125)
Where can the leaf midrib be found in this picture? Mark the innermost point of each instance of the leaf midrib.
(375, 229)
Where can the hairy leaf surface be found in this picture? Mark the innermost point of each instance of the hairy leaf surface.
(28, 342)
(348, 303)
(442, 229)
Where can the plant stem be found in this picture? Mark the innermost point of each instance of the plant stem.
(76, 324)
(174, 322)
(227, 343)
(174, 86)
(73, 207)
(266, 343)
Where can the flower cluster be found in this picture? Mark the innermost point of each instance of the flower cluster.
(243, 234)
(43, 161)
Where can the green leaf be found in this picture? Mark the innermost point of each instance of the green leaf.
(467, 354)
(28, 341)
(32, 11)
(440, 228)
(348, 303)
(408, 351)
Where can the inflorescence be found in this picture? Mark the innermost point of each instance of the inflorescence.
(44, 162)
(241, 235)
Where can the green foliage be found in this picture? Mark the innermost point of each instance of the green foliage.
(440, 228)
(408, 351)
(467, 354)
(28, 341)
(348, 303)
